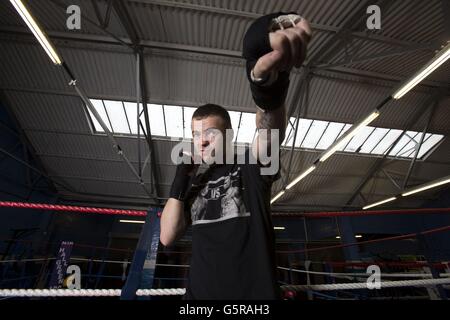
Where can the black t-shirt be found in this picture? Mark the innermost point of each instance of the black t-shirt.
(233, 248)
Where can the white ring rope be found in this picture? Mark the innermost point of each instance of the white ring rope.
(384, 284)
(181, 291)
(359, 274)
(86, 292)
(160, 292)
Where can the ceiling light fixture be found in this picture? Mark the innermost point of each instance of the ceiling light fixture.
(426, 186)
(37, 31)
(349, 135)
(425, 71)
(379, 203)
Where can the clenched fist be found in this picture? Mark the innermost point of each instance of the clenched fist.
(289, 46)
(272, 46)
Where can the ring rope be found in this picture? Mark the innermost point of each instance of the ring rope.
(351, 286)
(182, 291)
(44, 206)
(86, 292)
(360, 274)
(58, 207)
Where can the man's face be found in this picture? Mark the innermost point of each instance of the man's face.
(208, 137)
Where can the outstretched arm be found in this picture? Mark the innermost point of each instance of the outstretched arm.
(269, 73)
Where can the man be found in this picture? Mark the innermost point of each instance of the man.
(233, 247)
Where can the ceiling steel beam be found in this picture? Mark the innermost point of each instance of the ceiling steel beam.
(253, 16)
(379, 162)
(233, 56)
(218, 10)
(103, 22)
(419, 145)
(101, 28)
(382, 55)
(124, 17)
(391, 179)
(149, 139)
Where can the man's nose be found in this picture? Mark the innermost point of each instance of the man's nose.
(205, 142)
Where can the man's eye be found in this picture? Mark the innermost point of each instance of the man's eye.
(212, 132)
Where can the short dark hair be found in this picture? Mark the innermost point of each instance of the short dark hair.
(210, 109)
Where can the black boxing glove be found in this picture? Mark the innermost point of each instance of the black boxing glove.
(182, 180)
(267, 93)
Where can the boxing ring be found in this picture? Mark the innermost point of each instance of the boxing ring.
(408, 279)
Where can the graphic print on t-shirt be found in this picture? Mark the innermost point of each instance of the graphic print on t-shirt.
(219, 200)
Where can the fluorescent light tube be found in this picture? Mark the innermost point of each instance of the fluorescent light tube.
(38, 33)
(279, 228)
(379, 203)
(132, 221)
(427, 186)
(277, 196)
(348, 135)
(437, 61)
(301, 176)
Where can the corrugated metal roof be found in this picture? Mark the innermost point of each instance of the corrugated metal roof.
(341, 101)
(96, 169)
(57, 126)
(403, 65)
(8, 15)
(116, 188)
(26, 65)
(54, 17)
(414, 20)
(103, 72)
(52, 112)
(72, 145)
(313, 201)
(442, 73)
(314, 10)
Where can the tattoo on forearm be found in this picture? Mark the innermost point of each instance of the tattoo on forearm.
(275, 119)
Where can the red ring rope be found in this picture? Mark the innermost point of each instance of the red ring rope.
(43, 206)
(401, 237)
(360, 213)
(57, 207)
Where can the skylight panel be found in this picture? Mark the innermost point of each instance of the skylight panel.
(314, 134)
(410, 148)
(289, 135)
(117, 116)
(405, 144)
(330, 135)
(302, 131)
(429, 143)
(174, 121)
(188, 112)
(247, 128)
(359, 139)
(346, 127)
(234, 117)
(131, 111)
(98, 105)
(156, 119)
(373, 140)
(387, 141)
